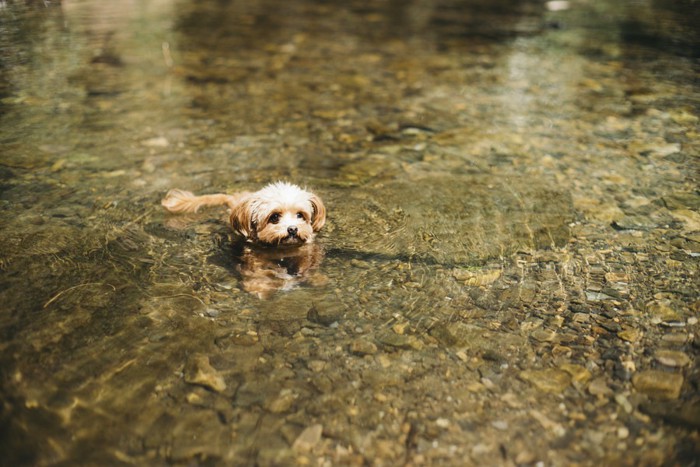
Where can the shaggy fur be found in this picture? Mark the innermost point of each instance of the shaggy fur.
(280, 214)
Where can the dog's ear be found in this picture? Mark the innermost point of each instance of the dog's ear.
(319, 217)
(242, 219)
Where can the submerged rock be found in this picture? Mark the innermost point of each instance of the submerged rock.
(672, 358)
(661, 311)
(198, 370)
(308, 438)
(658, 384)
(363, 347)
(550, 380)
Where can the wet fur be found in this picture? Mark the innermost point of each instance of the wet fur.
(280, 214)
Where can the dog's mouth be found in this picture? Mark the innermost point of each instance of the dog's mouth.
(292, 239)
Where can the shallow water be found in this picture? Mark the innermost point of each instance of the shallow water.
(509, 273)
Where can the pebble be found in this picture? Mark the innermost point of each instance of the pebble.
(501, 425)
(629, 335)
(194, 399)
(634, 223)
(157, 142)
(599, 387)
(658, 384)
(681, 200)
(544, 335)
(672, 358)
(308, 438)
(661, 311)
(624, 402)
(198, 370)
(580, 318)
(550, 380)
(476, 278)
(525, 457)
(617, 277)
(283, 402)
(548, 424)
(578, 373)
(442, 422)
(212, 312)
(401, 342)
(691, 219)
(316, 365)
(675, 338)
(363, 347)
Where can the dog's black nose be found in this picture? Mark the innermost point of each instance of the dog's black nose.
(292, 231)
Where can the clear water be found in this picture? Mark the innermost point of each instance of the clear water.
(509, 188)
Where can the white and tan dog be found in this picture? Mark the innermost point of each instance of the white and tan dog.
(280, 214)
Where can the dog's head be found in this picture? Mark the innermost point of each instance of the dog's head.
(281, 214)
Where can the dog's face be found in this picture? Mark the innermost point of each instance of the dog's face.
(280, 214)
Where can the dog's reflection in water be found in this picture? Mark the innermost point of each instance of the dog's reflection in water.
(265, 270)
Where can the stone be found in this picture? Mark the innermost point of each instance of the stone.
(629, 335)
(551, 380)
(682, 200)
(548, 424)
(595, 210)
(398, 341)
(476, 277)
(501, 425)
(316, 365)
(675, 338)
(363, 347)
(544, 335)
(525, 457)
(658, 384)
(442, 422)
(623, 402)
(634, 223)
(662, 311)
(599, 387)
(199, 371)
(672, 358)
(617, 277)
(691, 219)
(282, 402)
(157, 142)
(578, 373)
(308, 438)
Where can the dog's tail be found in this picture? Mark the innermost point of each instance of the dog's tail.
(179, 201)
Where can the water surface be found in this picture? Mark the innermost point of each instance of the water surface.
(509, 273)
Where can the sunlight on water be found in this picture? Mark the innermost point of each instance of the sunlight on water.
(511, 247)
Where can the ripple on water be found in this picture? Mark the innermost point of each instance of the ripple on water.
(453, 219)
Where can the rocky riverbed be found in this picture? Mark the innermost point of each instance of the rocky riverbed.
(508, 276)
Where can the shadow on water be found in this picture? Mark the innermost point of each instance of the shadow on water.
(511, 248)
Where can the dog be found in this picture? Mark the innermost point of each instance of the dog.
(279, 215)
(277, 225)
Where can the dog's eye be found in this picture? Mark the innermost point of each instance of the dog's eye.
(275, 218)
(300, 215)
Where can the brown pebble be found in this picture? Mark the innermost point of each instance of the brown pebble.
(658, 384)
